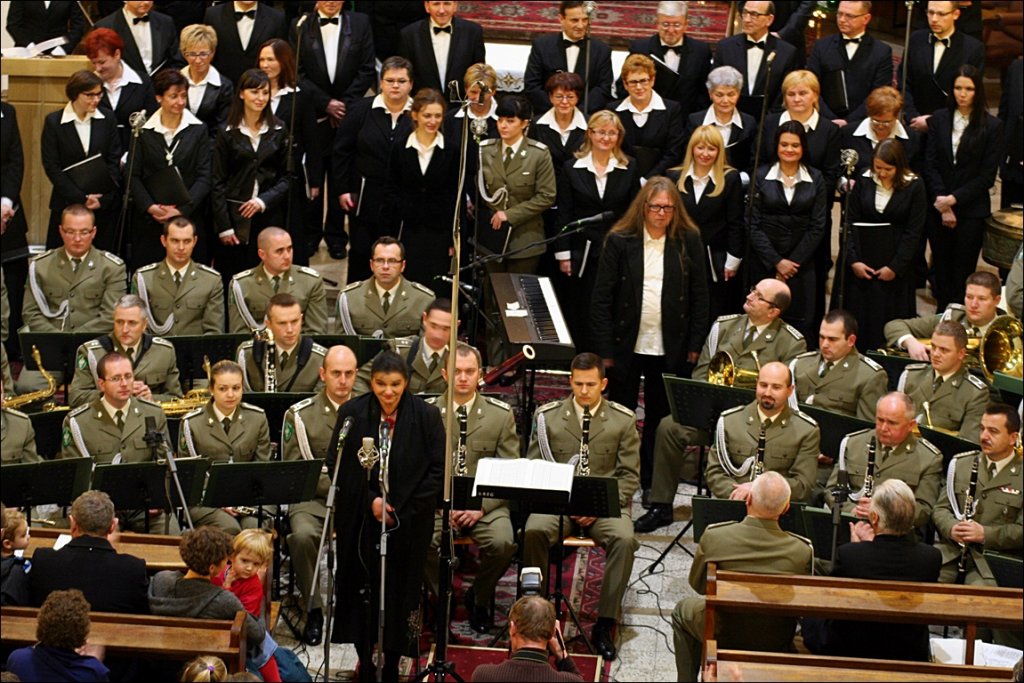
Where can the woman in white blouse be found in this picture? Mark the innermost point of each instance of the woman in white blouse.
(209, 92)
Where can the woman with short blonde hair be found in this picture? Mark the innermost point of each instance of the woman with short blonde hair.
(209, 92)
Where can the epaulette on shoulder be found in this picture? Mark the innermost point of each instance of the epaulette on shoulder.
(621, 408)
(802, 539)
(45, 254)
(302, 405)
(247, 344)
(80, 409)
(308, 271)
(497, 402)
(978, 383)
(113, 258)
(93, 344)
(17, 413)
(254, 408)
(321, 350)
(727, 318)
(719, 525)
(244, 273)
(956, 307)
(206, 269)
(806, 354)
(930, 446)
(433, 400)
(548, 406)
(163, 342)
(965, 454)
(488, 142)
(916, 367)
(795, 333)
(860, 431)
(871, 363)
(422, 288)
(734, 409)
(147, 402)
(536, 143)
(810, 420)
(192, 413)
(353, 285)
(147, 268)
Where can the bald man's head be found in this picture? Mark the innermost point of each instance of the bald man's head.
(275, 250)
(774, 387)
(769, 496)
(338, 373)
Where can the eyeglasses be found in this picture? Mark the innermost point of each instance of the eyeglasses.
(387, 262)
(883, 124)
(848, 16)
(78, 234)
(661, 208)
(198, 55)
(937, 14)
(760, 297)
(604, 133)
(638, 82)
(565, 98)
(396, 81)
(93, 95)
(669, 26)
(751, 14)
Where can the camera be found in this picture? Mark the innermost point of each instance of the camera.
(530, 581)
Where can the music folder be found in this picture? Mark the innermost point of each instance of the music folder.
(91, 175)
(167, 187)
(548, 482)
(877, 243)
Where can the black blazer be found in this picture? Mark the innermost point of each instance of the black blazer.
(306, 136)
(972, 174)
(660, 140)
(822, 150)
(165, 42)
(781, 230)
(134, 97)
(213, 108)
(689, 86)
(733, 52)
(355, 72)
(548, 56)
(12, 164)
(739, 153)
(111, 581)
(423, 201)
(928, 92)
(1011, 109)
(559, 153)
(865, 149)
(231, 59)
(453, 135)
(906, 212)
(791, 18)
(466, 48)
(870, 68)
(236, 166)
(720, 218)
(31, 21)
(192, 157)
(578, 198)
(60, 147)
(617, 298)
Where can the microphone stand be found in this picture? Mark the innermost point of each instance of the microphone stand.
(153, 438)
(906, 47)
(757, 150)
(383, 478)
(126, 197)
(850, 159)
(589, 8)
(490, 258)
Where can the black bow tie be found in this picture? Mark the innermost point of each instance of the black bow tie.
(142, 19)
(329, 20)
(855, 41)
(442, 29)
(571, 43)
(672, 48)
(932, 38)
(251, 14)
(755, 43)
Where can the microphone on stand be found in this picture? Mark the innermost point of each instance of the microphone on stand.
(590, 8)
(346, 426)
(137, 120)
(596, 219)
(301, 21)
(849, 159)
(368, 454)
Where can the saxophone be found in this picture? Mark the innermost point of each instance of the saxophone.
(269, 358)
(583, 465)
(759, 458)
(869, 474)
(970, 507)
(17, 402)
(460, 458)
(193, 398)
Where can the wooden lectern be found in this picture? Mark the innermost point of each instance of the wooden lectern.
(36, 88)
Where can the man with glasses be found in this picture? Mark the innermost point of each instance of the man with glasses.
(385, 305)
(850, 64)
(933, 56)
(748, 53)
(752, 339)
(682, 62)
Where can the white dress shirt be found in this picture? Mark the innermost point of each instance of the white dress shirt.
(82, 126)
(196, 90)
(424, 152)
(802, 176)
(275, 99)
(754, 57)
(672, 58)
(155, 123)
(939, 49)
(725, 129)
(244, 25)
(578, 121)
(809, 125)
(330, 33)
(378, 103)
(142, 32)
(865, 130)
(640, 115)
(851, 48)
(960, 123)
(441, 42)
(113, 88)
(649, 340)
(572, 54)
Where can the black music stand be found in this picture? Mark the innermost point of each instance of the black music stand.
(275, 405)
(893, 365)
(191, 349)
(1008, 571)
(708, 511)
(133, 486)
(48, 426)
(820, 528)
(834, 427)
(948, 444)
(192, 475)
(1010, 388)
(258, 484)
(462, 494)
(51, 482)
(57, 351)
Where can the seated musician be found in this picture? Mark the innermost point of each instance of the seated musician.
(614, 451)
(181, 296)
(751, 339)
(386, 305)
(898, 454)
(756, 544)
(947, 395)
(976, 313)
(111, 429)
(17, 436)
(154, 363)
(295, 360)
(490, 431)
(226, 430)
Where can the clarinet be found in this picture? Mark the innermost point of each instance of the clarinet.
(869, 475)
(583, 466)
(970, 507)
(460, 461)
(269, 358)
(759, 461)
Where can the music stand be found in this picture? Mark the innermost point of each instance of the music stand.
(258, 484)
(462, 494)
(819, 528)
(51, 482)
(1010, 388)
(708, 511)
(48, 426)
(192, 475)
(948, 444)
(191, 350)
(57, 350)
(893, 365)
(275, 405)
(133, 486)
(1008, 571)
(834, 427)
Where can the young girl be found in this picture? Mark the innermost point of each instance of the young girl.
(14, 569)
(251, 553)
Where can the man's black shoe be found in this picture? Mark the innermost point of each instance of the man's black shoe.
(338, 253)
(479, 617)
(314, 631)
(658, 516)
(601, 636)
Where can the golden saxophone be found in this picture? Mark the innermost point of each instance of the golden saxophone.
(17, 402)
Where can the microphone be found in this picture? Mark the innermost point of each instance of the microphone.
(483, 91)
(590, 8)
(596, 219)
(137, 119)
(771, 57)
(453, 91)
(343, 434)
(301, 21)
(368, 454)
(849, 158)
(468, 289)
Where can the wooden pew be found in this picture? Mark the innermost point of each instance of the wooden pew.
(159, 552)
(739, 665)
(859, 600)
(143, 636)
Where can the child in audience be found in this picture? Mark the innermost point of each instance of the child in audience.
(204, 669)
(14, 569)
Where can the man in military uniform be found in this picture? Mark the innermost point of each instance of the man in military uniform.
(1015, 284)
(111, 429)
(898, 455)
(752, 338)
(757, 544)
(297, 359)
(947, 394)
(17, 437)
(186, 296)
(251, 289)
(490, 433)
(979, 309)
(154, 364)
(386, 305)
(614, 451)
(426, 354)
(306, 434)
(72, 288)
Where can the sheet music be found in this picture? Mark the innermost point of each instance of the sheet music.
(523, 474)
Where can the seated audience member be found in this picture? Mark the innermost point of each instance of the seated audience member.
(883, 549)
(62, 653)
(533, 632)
(111, 581)
(204, 669)
(15, 569)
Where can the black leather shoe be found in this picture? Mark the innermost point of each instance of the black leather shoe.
(601, 636)
(338, 253)
(658, 516)
(479, 617)
(314, 631)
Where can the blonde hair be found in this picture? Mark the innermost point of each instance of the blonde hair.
(193, 34)
(600, 118)
(707, 135)
(802, 77)
(255, 541)
(14, 519)
(204, 668)
(484, 73)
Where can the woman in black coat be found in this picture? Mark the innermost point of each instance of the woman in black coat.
(124, 90)
(209, 92)
(424, 170)
(171, 138)
(654, 127)
(250, 175)
(787, 222)
(713, 196)
(61, 146)
(645, 325)
(416, 470)
(880, 258)
(738, 130)
(965, 146)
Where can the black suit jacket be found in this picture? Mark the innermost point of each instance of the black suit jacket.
(61, 147)
(658, 146)
(236, 166)
(781, 230)
(165, 42)
(720, 218)
(906, 212)
(733, 52)
(559, 153)
(466, 48)
(213, 108)
(232, 59)
(870, 68)
(12, 172)
(30, 21)
(689, 86)
(110, 581)
(617, 298)
(548, 56)
(739, 153)
(192, 157)
(423, 201)
(822, 148)
(306, 134)
(355, 72)
(1011, 109)
(928, 92)
(578, 198)
(134, 97)
(972, 173)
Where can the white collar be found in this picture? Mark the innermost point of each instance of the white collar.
(242, 9)
(491, 114)
(69, 115)
(414, 142)
(679, 44)
(264, 127)
(468, 404)
(656, 104)
(281, 92)
(865, 130)
(859, 35)
(172, 270)
(515, 148)
(378, 103)
(212, 77)
(434, 23)
(711, 120)
(811, 124)
(652, 240)
(587, 162)
(578, 120)
(579, 409)
(802, 175)
(692, 173)
(128, 16)
(381, 291)
(128, 75)
(187, 119)
(566, 37)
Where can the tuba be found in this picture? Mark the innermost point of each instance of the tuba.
(269, 358)
(722, 371)
(1001, 348)
(18, 402)
(583, 465)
